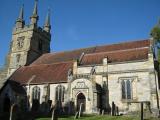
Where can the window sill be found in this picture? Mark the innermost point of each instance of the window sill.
(129, 100)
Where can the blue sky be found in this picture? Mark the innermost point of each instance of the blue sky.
(83, 23)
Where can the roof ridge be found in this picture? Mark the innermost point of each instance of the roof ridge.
(128, 41)
(95, 47)
(49, 64)
(117, 51)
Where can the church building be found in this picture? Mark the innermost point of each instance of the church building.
(92, 78)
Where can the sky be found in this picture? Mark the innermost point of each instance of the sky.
(83, 23)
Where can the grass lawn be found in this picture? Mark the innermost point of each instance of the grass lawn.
(105, 117)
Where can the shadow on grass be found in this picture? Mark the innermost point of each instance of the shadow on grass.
(95, 117)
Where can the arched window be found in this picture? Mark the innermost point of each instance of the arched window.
(60, 93)
(36, 93)
(126, 89)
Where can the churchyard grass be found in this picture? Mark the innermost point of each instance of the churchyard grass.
(105, 117)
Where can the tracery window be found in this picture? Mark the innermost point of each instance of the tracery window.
(36, 93)
(126, 89)
(60, 93)
(20, 42)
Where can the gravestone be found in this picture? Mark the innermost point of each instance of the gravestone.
(113, 109)
(76, 115)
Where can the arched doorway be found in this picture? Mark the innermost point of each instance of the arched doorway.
(81, 99)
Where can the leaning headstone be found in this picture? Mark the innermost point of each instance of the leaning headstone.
(54, 115)
(80, 110)
(76, 115)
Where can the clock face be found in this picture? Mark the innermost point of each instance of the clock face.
(20, 42)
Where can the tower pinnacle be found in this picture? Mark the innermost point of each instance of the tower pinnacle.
(21, 13)
(34, 17)
(20, 21)
(47, 26)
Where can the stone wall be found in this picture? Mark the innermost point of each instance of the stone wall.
(141, 73)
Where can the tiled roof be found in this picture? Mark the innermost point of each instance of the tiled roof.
(50, 58)
(123, 46)
(51, 73)
(117, 56)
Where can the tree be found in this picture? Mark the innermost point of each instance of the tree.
(155, 33)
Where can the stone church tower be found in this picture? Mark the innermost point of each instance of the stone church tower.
(28, 41)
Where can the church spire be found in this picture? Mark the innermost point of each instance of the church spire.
(47, 26)
(20, 21)
(34, 17)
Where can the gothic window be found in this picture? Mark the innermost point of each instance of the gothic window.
(18, 56)
(36, 93)
(20, 42)
(60, 93)
(126, 89)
